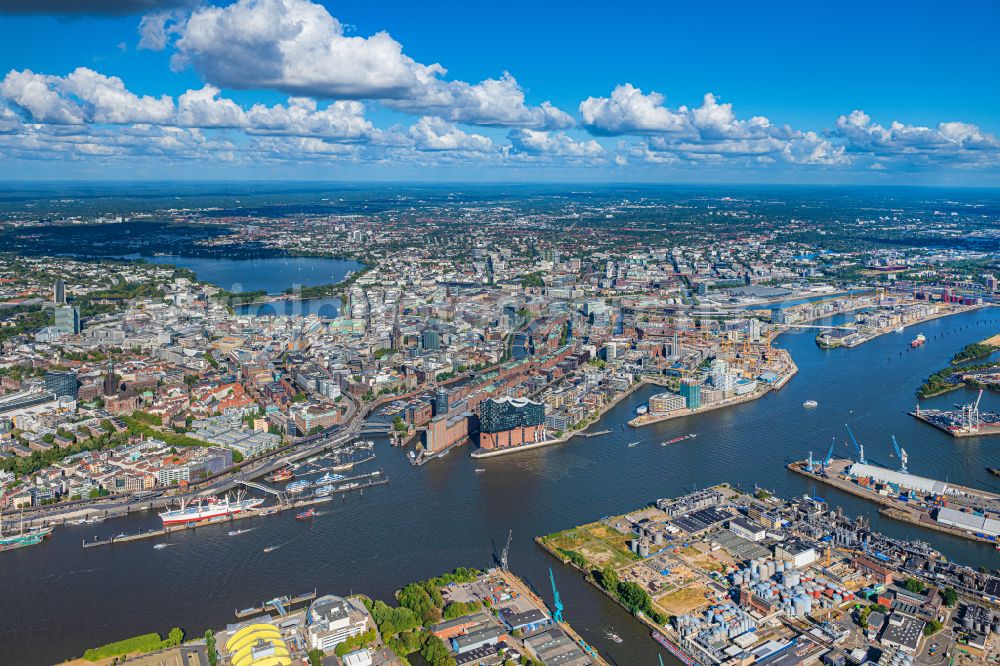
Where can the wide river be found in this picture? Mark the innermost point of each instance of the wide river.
(58, 598)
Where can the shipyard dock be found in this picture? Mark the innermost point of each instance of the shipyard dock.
(969, 513)
(957, 422)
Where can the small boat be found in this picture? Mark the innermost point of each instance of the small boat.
(810, 403)
(480, 470)
(329, 478)
(632, 445)
(161, 546)
(613, 636)
(993, 470)
(898, 329)
(918, 341)
(283, 474)
(239, 532)
(306, 515)
(271, 548)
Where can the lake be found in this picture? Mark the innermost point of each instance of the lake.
(273, 275)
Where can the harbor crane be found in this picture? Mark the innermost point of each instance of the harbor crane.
(860, 449)
(971, 413)
(902, 455)
(829, 456)
(557, 605)
(504, 565)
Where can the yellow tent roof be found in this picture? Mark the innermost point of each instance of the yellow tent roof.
(240, 646)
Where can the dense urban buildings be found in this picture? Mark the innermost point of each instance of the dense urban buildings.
(144, 382)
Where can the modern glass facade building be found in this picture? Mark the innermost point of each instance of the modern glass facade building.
(68, 320)
(441, 402)
(499, 415)
(430, 340)
(62, 382)
(690, 389)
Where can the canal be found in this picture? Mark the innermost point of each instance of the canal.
(59, 599)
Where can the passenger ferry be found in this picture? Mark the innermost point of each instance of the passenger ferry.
(208, 509)
(298, 486)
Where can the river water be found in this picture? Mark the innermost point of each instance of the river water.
(59, 599)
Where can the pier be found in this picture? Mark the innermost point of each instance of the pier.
(359, 482)
(278, 604)
(596, 433)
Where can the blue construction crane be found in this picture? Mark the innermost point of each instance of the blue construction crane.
(860, 449)
(902, 455)
(829, 456)
(556, 601)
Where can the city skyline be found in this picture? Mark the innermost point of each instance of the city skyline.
(294, 89)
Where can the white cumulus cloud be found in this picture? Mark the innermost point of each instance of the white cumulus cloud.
(629, 111)
(559, 144)
(430, 133)
(297, 47)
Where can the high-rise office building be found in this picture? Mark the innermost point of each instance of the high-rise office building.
(430, 339)
(441, 402)
(67, 320)
(62, 382)
(690, 389)
(59, 292)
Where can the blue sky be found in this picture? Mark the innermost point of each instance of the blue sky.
(800, 92)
